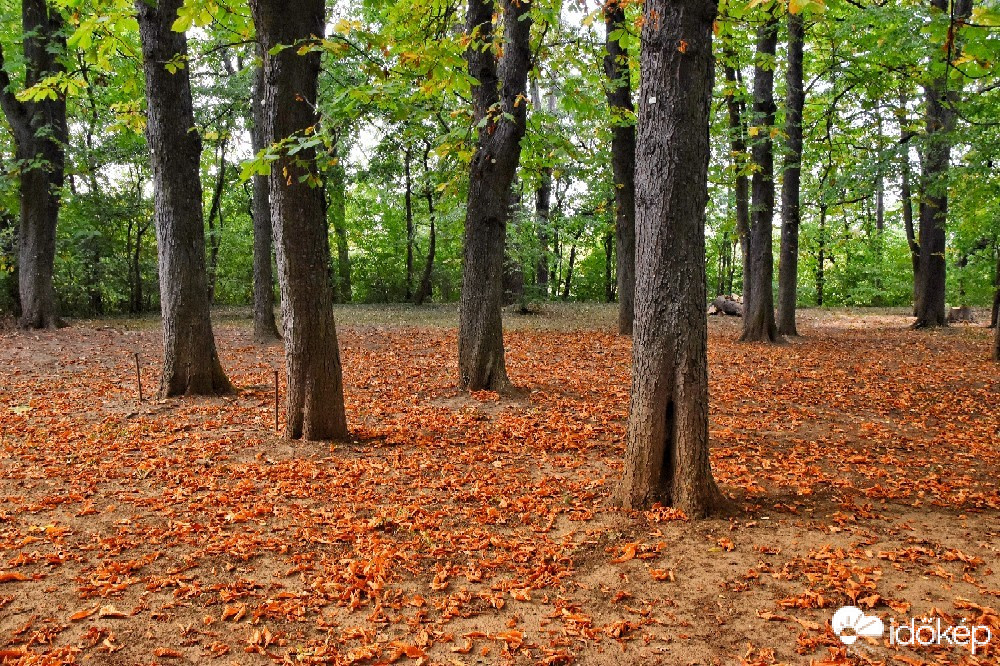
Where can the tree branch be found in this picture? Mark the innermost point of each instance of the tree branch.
(15, 111)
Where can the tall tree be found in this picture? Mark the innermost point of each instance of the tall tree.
(788, 265)
(758, 318)
(667, 456)
(906, 198)
(40, 134)
(735, 107)
(315, 397)
(265, 328)
(939, 118)
(500, 112)
(190, 362)
(543, 205)
(424, 290)
(616, 66)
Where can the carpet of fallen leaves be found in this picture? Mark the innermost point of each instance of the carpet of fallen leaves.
(457, 529)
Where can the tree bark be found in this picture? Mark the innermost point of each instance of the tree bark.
(906, 198)
(758, 321)
(995, 313)
(738, 148)
(338, 184)
(190, 362)
(40, 134)
(939, 118)
(424, 290)
(543, 206)
(667, 456)
(788, 266)
(491, 172)
(315, 395)
(265, 328)
(616, 67)
(410, 232)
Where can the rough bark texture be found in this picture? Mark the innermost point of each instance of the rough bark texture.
(40, 134)
(939, 117)
(502, 86)
(315, 395)
(265, 329)
(667, 456)
(616, 67)
(758, 320)
(788, 265)
(190, 361)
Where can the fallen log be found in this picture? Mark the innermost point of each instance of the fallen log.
(726, 305)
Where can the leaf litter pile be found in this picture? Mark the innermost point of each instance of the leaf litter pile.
(473, 529)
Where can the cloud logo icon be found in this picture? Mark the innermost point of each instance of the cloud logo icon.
(849, 622)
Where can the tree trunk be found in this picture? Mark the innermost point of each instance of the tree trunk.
(738, 148)
(907, 201)
(995, 314)
(215, 213)
(339, 186)
(190, 361)
(315, 396)
(609, 264)
(616, 67)
(667, 456)
(940, 118)
(569, 272)
(543, 205)
(265, 329)
(996, 344)
(410, 233)
(491, 172)
(788, 266)
(821, 255)
(424, 290)
(40, 134)
(758, 321)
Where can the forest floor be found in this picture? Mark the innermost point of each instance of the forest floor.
(863, 458)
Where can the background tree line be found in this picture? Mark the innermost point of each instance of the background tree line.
(397, 129)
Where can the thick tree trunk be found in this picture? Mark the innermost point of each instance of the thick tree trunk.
(40, 133)
(758, 321)
(410, 232)
(265, 329)
(667, 456)
(491, 172)
(738, 148)
(190, 361)
(616, 67)
(424, 290)
(788, 266)
(940, 118)
(315, 396)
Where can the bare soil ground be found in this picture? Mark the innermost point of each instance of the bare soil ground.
(863, 459)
